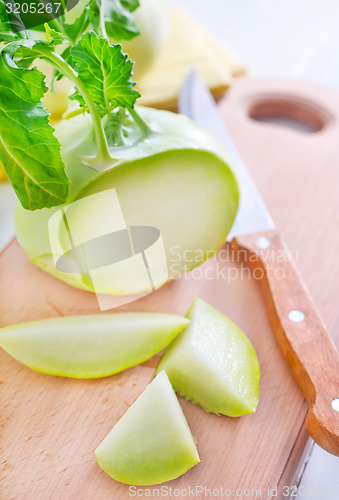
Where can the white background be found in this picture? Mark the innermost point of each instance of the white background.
(291, 38)
(294, 39)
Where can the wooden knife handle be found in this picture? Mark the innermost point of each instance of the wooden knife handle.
(300, 331)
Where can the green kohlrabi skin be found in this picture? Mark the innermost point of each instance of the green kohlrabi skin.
(175, 177)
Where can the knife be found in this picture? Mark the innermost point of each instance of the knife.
(299, 329)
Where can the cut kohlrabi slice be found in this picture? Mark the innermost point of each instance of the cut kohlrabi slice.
(213, 363)
(90, 346)
(152, 442)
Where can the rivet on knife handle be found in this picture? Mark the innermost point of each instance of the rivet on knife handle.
(300, 332)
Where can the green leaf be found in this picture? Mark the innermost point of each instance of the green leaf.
(93, 8)
(29, 151)
(119, 18)
(106, 72)
(54, 37)
(6, 31)
(131, 5)
(75, 29)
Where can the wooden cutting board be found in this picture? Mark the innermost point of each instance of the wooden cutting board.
(50, 426)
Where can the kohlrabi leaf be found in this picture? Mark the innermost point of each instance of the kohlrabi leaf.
(22, 50)
(119, 18)
(18, 51)
(54, 37)
(29, 151)
(6, 31)
(93, 8)
(131, 5)
(106, 72)
(74, 30)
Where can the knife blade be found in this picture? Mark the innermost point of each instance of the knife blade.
(196, 102)
(299, 329)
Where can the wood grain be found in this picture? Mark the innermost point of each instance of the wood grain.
(51, 426)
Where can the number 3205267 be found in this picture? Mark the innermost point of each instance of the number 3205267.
(33, 8)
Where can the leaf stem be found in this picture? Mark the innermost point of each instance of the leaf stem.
(103, 151)
(145, 129)
(102, 22)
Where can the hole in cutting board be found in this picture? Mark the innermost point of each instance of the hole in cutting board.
(290, 112)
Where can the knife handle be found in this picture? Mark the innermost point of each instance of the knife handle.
(300, 332)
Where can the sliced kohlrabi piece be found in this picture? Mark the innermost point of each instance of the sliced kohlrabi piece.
(90, 346)
(213, 363)
(152, 442)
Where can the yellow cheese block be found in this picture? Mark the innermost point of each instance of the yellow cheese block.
(188, 47)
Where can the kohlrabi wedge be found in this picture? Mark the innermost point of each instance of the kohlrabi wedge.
(176, 179)
(90, 346)
(152, 442)
(213, 363)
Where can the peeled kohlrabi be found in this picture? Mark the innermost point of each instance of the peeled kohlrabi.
(90, 346)
(151, 443)
(213, 363)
